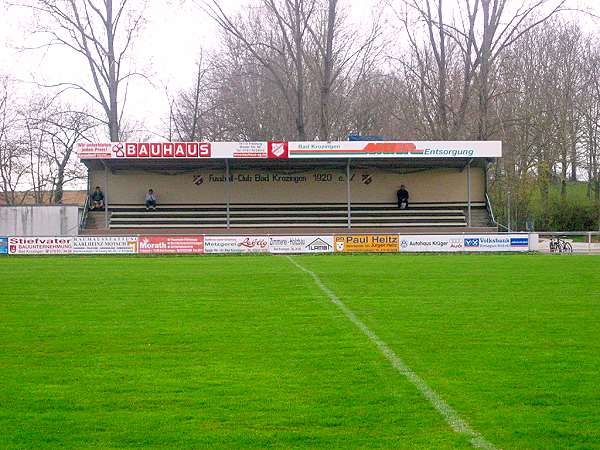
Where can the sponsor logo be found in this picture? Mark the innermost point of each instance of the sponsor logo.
(519, 242)
(367, 243)
(251, 243)
(492, 242)
(105, 244)
(236, 244)
(3, 246)
(171, 244)
(456, 243)
(471, 242)
(162, 150)
(277, 149)
(40, 245)
(318, 245)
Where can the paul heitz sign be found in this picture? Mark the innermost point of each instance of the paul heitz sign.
(236, 244)
(291, 150)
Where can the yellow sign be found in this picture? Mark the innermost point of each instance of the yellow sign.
(367, 243)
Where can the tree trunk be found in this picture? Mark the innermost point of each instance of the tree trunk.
(59, 186)
(113, 118)
(299, 60)
(324, 128)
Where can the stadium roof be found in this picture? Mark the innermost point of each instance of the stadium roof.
(289, 164)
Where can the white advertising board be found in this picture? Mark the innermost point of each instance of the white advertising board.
(105, 244)
(465, 243)
(55, 245)
(236, 244)
(496, 243)
(301, 244)
(431, 243)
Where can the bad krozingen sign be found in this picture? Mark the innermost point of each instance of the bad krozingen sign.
(291, 150)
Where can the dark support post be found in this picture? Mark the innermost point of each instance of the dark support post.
(348, 193)
(105, 194)
(469, 194)
(227, 191)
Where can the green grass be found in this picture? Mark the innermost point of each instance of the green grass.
(212, 352)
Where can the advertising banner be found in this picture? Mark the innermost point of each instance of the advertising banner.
(284, 150)
(465, 243)
(170, 244)
(301, 244)
(496, 243)
(367, 243)
(105, 244)
(431, 243)
(40, 245)
(3, 245)
(236, 244)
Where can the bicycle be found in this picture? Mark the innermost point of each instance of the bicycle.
(560, 245)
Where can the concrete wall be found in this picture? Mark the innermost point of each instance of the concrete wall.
(272, 186)
(39, 220)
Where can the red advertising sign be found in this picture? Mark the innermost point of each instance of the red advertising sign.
(171, 244)
(146, 150)
(277, 149)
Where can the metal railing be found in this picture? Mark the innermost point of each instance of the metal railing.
(84, 213)
(488, 206)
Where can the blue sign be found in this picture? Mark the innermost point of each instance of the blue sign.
(519, 242)
(471, 242)
(3, 245)
(358, 137)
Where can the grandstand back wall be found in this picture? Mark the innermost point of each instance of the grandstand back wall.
(368, 185)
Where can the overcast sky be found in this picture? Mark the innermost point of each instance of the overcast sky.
(166, 51)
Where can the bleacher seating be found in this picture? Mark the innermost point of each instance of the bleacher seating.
(314, 215)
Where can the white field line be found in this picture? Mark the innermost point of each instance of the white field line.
(457, 423)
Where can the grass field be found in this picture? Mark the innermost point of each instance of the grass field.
(235, 351)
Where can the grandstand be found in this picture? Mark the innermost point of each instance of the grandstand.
(306, 187)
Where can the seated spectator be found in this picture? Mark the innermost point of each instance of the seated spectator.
(150, 200)
(97, 199)
(402, 197)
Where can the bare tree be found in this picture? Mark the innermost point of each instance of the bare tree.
(342, 55)
(102, 32)
(279, 48)
(12, 167)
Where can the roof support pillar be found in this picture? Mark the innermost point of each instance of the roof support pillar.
(227, 194)
(348, 194)
(106, 222)
(469, 194)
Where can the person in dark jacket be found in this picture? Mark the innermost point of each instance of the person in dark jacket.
(402, 195)
(97, 198)
(151, 200)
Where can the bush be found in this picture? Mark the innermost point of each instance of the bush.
(568, 215)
